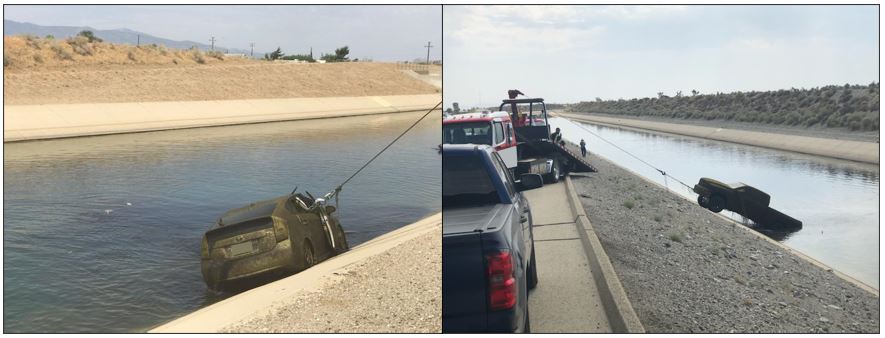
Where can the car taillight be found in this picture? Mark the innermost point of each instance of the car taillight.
(279, 230)
(502, 283)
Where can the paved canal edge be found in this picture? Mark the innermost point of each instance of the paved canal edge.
(49, 121)
(761, 236)
(866, 152)
(246, 305)
(618, 309)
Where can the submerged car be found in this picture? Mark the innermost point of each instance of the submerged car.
(287, 234)
(743, 199)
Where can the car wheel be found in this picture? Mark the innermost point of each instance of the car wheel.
(717, 203)
(703, 201)
(307, 253)
(533, 271)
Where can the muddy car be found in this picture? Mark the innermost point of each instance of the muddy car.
(287, 234)
(743, 199)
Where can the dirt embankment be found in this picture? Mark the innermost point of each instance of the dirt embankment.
(77, 71)
(687, 270)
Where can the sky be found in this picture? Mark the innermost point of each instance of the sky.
(381, 33)
(578, 53)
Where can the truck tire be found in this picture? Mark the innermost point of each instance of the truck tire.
(553, 176)
(717, 203)
(532, 278)
(704, 201)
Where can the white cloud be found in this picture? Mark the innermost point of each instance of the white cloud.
(523, 29)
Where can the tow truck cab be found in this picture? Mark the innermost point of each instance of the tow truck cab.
(490, 128)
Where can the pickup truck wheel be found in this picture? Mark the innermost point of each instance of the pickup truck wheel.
(553, 176)
(532, 279)
(717, 203)
(703, 201)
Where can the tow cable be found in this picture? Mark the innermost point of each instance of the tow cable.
(322, 201)
(664, 173)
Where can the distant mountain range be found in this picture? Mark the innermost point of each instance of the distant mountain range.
(117, 36)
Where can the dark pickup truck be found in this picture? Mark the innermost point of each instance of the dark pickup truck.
(488, 247)
(745, 200)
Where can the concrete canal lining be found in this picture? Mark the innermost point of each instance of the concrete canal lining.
(48, 121)
(866, 152)
(256, 302)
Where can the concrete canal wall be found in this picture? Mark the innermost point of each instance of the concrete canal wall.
(866, 152)
(48, 121)
(275, 307)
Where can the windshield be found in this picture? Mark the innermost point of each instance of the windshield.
(466, 182)
(468, 132)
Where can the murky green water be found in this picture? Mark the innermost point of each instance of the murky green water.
(103, 233)
(837, 201)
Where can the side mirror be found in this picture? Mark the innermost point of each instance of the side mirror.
(330, 209)
(530, 181)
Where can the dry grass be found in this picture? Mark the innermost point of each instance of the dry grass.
(25, 52)
(56, 72)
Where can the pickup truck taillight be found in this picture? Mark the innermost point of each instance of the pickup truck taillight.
(502, 282)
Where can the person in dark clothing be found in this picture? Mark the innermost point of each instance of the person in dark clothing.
(583, 148)
(556, 137)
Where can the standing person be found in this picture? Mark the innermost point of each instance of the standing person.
(556, 136)
(583, 148)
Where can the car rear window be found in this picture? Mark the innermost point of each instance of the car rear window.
(466, 182)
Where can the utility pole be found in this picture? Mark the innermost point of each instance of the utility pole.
(251, 48)
(428, 51)
(138, 41)
(213, 42)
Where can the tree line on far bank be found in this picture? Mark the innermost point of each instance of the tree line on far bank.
(855, 107)
(340, 55)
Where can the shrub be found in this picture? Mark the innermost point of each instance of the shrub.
(89, 36)
(215, 54)
(629, 204)
(61, 52)
(199, 58)
(131, 55)
(80, 45)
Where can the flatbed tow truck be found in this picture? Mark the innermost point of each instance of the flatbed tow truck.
(537, 153)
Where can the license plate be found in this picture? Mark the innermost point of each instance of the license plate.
(242, 248)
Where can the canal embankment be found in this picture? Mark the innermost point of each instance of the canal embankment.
(867, 152)
(686, 269)
(388, 284)
(48, 121)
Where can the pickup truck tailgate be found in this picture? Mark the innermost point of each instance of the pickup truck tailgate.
(464, 283)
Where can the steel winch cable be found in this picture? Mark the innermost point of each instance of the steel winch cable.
(321, 202)
(664, 173)
(337, 189)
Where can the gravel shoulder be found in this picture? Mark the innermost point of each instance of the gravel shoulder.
(686, 270)
(394, 292)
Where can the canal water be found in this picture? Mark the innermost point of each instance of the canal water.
(837, 201)
(102, 234)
